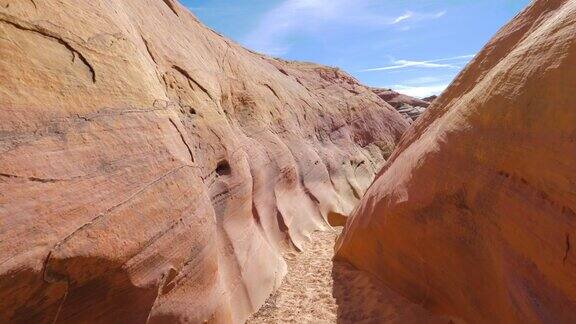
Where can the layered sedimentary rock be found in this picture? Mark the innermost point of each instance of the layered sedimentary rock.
(430, 99)
(411, 108)
(411, 113)
(151, 170)
(397, 99)
(474, 215)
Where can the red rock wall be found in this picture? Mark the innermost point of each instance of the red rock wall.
(150, 169)
(474, 215)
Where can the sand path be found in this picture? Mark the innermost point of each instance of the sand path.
(316, 290)
(305, 296)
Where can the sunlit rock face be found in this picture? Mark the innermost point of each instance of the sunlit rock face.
(397, 99)
(411, 108)
(152, 170)
(474, 214)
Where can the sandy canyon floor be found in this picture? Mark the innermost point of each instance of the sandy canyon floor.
(317, 290)
(306, 293)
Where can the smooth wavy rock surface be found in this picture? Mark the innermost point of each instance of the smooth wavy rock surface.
(152, 170)
(474, 215)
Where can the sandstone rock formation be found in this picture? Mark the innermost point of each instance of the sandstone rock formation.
(474, 215)
(397, 99)
(411, 113)
(152, 170)
(430, 99)
(411, 108)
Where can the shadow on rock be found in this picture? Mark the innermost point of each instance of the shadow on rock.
(362, 298)
(108, 297)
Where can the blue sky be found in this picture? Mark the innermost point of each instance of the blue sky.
(414, 46)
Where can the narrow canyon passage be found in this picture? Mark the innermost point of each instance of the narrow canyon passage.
(153, 170)
(317, 290)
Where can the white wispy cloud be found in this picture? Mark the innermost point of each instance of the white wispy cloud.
(415, 16)
(405, 16)
(421, 91)
(423, 86)
(303, 17)
(451, 62)
(440, 14)
(401, 64)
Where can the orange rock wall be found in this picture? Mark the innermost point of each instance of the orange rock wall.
(474, 215)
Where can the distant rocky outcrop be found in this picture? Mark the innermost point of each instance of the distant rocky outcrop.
(151, 170)
(411, 108)
(474, 215)
(430, 99)
(411, 112)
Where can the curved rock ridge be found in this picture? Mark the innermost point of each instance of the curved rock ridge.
(152, 170)
(396, 99)
(411, 108)
(430, 99)
(474, 215)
